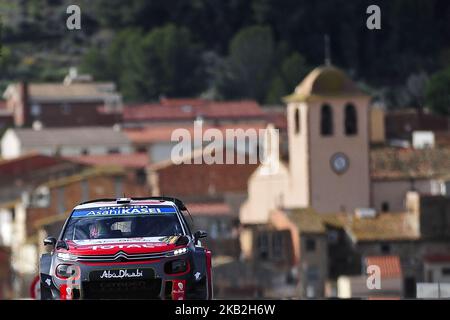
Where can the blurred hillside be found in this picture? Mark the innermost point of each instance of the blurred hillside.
(257, 49)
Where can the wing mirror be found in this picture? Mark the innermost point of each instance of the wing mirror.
(198, 235)
(50, 241)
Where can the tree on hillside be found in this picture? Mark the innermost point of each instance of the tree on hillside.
(438, 92)
(173, 62)
(249, 64)
(292, 70)
(164, 61)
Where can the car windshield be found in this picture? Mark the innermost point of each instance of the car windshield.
(123, 222)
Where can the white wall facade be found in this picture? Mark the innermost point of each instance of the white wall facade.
(393, 192)
(265, 193)
(10, 145)
(437, 272)
(6, 227)
(73, 151)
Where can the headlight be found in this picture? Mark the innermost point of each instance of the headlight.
(179, 251)
(63, 272)
(176, 266)
(67, 257)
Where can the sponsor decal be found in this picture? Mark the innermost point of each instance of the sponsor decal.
(120, 274)
(128, 246)
(197, 275)
(66, 292)
(178, 289)
(123, 210)
(153, 240)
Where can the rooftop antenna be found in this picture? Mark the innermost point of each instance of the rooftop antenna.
(327, 50)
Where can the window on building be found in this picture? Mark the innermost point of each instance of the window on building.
(310, 245)
(61, 203)
(277, 245)
(409, 287)
(84, 190)
(142, 149)
(446, 271)
(141, 176)
(292, 276)
(66, 109)
(113, 151)
(312, 274)
(385, 248)
(385, 206)
(118, 187)
(445, 188)
(430, 276)
(351, 120)
(297, 121)
(333, 236)
(263, 245)
(35, 110)
(41, 197)
(326, 120)
(214, 230)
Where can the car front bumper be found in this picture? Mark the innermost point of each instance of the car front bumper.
(127, 280)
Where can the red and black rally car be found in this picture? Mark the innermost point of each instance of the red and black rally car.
(127, 249)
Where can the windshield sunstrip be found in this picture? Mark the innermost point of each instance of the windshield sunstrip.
(123, 211)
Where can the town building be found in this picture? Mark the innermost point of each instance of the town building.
(134, 164)
(185, 111)
(5, 273)
(158, 141)
(38, 192)
(67, 142)
(6, 117)
(213, 193)
(77, 101)
(344, 195)
(401, 124)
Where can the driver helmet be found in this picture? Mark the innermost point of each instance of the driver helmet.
(97, 230)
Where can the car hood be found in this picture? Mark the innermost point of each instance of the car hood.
(127, 245)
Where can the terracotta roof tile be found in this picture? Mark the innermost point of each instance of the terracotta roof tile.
(209, 209)
(135, 160)
(178, 102)
(390, 266)
(396, 163)
(442, 138)
(74, 91)
(168, 111)
(80, 136)
(27, 163)
(385, 226)
(307, 220)
(162, 133)
(205, 180)
(437, 258)
(277, 117)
